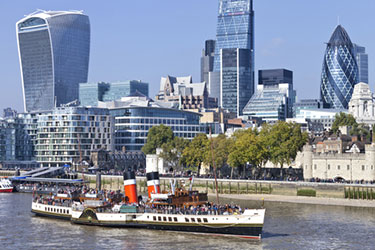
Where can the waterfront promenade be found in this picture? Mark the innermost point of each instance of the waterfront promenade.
(298, 200)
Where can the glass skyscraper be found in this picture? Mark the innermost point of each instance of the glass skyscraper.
(54, 51)
(340, 71)
(235, 78)
(234, 54)
(362, 62)
(235, 28)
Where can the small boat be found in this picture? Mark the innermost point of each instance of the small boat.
(5, 186)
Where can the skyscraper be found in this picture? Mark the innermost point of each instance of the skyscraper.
(207, 60)
(340, 71)
(235, 77)
(53, 51)
(362, 62)
(234, 41)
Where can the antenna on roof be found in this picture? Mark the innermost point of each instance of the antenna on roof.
(338, 20)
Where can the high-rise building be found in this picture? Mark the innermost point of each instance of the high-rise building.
(235, 78)
(274, 77)
(362, 62)
(340, 71)
(234, 41)
(207, 60)
(54, 51)
(92, 93)
(235, 28)
(270, 102)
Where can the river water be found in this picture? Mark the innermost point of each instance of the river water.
(287, 226)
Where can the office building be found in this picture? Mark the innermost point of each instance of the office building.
(236, 86)
(92, 93)
(182, 93)
(207, 60)
(306, 104)
(270, 102)
(340, 71)
(274, 77)
(323, 116)
(67, 135)
(9, 113)
(362, 62)
(54, 51)
(235, 30)
(135, 115)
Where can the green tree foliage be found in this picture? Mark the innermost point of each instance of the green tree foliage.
(284, 140)
(172, 152)
(195, 153)
(221, 146)
(157, 136)
(343, 119)
(248, 148)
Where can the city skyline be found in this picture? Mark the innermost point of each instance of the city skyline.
(116, 56)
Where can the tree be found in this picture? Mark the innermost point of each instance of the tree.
(248, 148)
(195, 153)
(284, 140)
(157, 136)
(172, 152)
(221, 146)
(343, 119)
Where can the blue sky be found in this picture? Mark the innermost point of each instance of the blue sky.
(147, 39)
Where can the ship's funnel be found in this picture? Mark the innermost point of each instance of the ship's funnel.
(153, 182)
(130, 186)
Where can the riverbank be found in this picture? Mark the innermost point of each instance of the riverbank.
(299, 199)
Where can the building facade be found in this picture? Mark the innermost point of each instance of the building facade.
(66, 135)
(306, 104)
(348, 166)
(340, 71)
(54, 51)
(236, 85)
(271, 102)
(207, 60)
(135, 115)
(362, 104)
(182, 93)
(90, 94)
(323, 116)
(235, 29)
(362, 62)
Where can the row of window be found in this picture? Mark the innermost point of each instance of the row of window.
(165, 218)
(339, 167)
(56, 210)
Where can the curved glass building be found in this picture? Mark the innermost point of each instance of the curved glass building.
(340, 71)
(54, 49)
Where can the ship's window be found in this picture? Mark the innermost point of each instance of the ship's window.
(164, 218)
(134, 216)
(175, 219)
(154, 218)
(67, 211)
(169, 218)
(192, 220)
(199, 220)
(159, 218)
(147, 217)
(45, 209)
(187, 219)
(205, 220)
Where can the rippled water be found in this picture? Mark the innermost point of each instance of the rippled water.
(287, 226)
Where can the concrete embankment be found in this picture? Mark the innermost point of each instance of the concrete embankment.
(299, 199)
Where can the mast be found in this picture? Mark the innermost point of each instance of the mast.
(214, 165)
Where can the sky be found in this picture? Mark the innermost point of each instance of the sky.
(148, 39)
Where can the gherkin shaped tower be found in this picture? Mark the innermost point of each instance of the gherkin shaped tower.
(340, 71)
